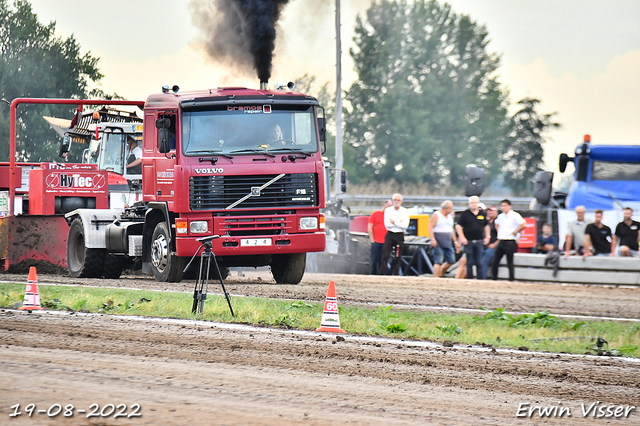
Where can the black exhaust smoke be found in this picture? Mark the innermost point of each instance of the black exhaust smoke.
(241, 32)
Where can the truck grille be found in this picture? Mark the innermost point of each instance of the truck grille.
(218, 192)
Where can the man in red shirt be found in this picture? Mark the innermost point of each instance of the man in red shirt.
(377, 232)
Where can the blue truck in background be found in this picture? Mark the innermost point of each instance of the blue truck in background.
(606, 177)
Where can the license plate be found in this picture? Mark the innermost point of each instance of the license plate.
(253, 242)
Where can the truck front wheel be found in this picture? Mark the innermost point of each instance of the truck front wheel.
(166, 266)
(83, 262)
(288, 268)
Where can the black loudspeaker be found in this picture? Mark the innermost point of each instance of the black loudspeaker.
(542, 187)
(475, 180)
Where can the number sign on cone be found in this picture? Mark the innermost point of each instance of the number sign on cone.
(330, 319)
(31, 296)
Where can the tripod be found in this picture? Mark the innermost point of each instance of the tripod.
(202, 285)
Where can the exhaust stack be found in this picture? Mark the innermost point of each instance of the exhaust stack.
(263, 85)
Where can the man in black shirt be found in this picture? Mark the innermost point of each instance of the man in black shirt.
(473, 232)
(597, 237)
(627, 232)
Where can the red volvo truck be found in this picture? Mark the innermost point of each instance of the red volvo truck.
(240, 163)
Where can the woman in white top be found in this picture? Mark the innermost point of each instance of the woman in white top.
(442, 233)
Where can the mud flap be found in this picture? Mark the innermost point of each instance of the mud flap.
(34, 240)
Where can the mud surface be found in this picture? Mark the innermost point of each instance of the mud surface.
(200, 373)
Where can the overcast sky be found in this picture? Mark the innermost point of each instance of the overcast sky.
(581, 58)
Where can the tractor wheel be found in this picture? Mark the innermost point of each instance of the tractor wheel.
(113, 266)
(288, 268)
(83, 262)
(166, 266)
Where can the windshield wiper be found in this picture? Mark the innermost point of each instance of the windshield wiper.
(230, 157)
(257, 151)
(297, 151)
(214, 160)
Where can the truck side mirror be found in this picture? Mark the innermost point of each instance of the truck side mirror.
(163, 140)
(564, 160)
(162, 124)
(322, 128)
(65, 146)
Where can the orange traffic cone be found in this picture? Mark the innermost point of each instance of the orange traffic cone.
(31, 296)
(330, 319)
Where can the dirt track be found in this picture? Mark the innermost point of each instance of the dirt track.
(192, 373)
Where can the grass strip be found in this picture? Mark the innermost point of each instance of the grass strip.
(541, 331)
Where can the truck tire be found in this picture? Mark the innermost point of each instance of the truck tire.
(288, 268)
(83, 262)
(166, 266)
(113, 266)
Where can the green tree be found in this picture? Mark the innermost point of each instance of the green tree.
(35, 63)
(523, 154)
(427, 101)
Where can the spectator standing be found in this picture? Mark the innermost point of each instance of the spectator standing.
(490, 249)
(396, 220)
(508, 225)
(575, 234)
(377, 232)
(627, 233)
(597, 238)
(546, 242)
(473, 233)
(442, 233)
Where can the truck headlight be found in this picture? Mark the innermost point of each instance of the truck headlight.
(308, 223)
(198, 227)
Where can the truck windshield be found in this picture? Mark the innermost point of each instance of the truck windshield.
(111, 155)
(244, 129)
(607, 170)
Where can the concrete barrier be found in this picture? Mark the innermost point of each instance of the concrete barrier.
(592, 270)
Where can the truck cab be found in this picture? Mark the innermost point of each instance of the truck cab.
(239, 163)
(605, 177)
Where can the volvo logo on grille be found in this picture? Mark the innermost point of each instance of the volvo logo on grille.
(255, 191)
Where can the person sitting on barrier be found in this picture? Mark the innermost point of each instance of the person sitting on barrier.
(597, 238)
(377, 233)
(473, 233)
(546, 242)
(442, 233)
(575, 234)
(508, 224)
(627, 233)
(490, 249)
(396, 220)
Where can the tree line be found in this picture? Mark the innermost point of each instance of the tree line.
(427, 101)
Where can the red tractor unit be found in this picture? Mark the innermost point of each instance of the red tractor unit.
(233, 162)
(35, 196)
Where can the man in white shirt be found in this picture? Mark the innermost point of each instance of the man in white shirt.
(508, 224)
(576, 232)
(396, 220)
(134, 156)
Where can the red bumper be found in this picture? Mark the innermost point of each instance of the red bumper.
(279, 244)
